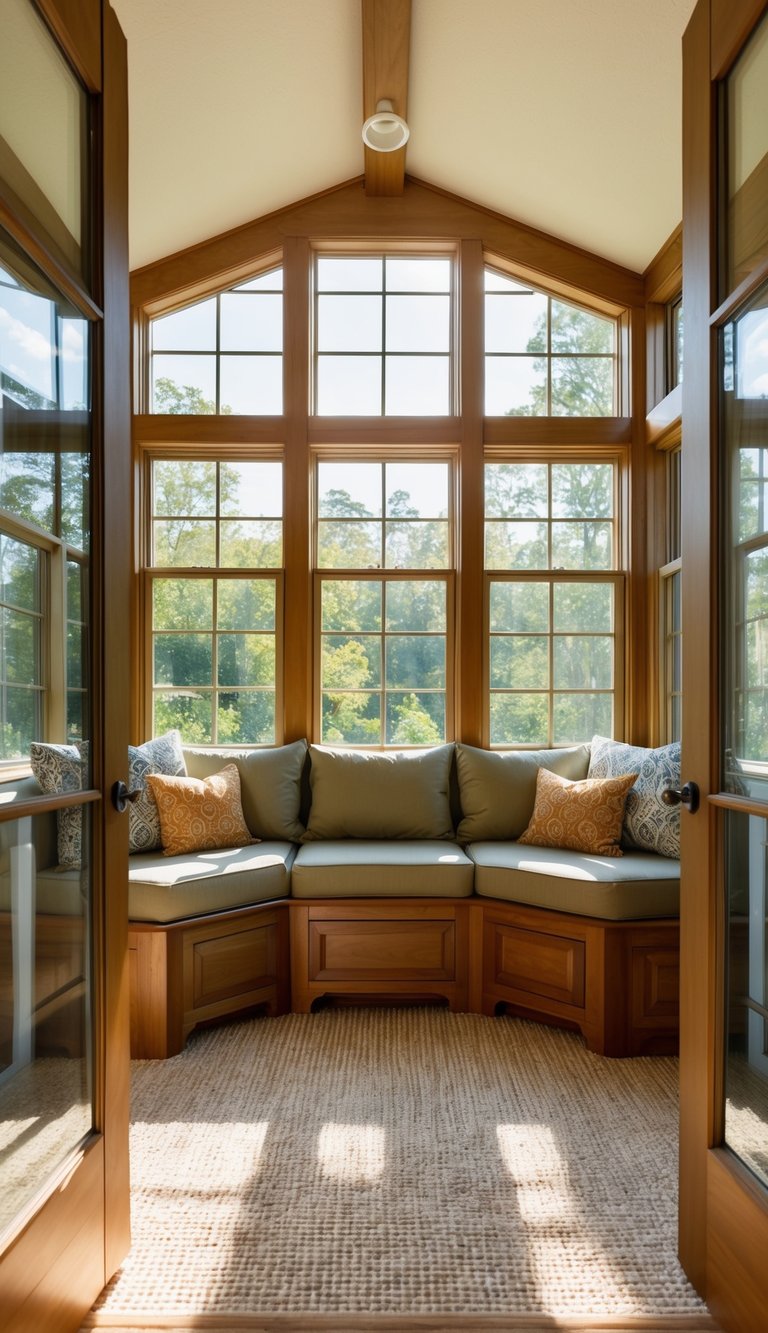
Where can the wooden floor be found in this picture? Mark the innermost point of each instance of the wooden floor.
(404, 1324)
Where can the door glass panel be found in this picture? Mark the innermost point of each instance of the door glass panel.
(747, 165)
(43, 127)
(744, 368)
(45, 896)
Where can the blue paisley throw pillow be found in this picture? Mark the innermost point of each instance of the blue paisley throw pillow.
(649, 824)
(162, 755)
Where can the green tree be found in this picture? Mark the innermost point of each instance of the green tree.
(582, 369)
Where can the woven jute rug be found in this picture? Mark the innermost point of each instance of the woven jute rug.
(401, 1161)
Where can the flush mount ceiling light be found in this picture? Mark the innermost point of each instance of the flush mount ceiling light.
(384, 131)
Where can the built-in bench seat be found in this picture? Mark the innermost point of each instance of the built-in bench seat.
(163, 889)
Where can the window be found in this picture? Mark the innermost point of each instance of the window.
(214, 619)
(546, 357)
(222, 355)
(554, 608)
(675, 343)
(44, 489)
(383, 336)
(384, 637)
(671, 628)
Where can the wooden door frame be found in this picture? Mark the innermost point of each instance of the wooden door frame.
(723, 1212)
(69, 1244)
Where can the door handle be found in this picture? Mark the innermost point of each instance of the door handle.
(687, 795)
(121, 796)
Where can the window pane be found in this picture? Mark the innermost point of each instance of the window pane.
(248, 544)
(416, 605)
(23, 721)
(183, 659)
(27, 486)
(516, 323)
(575, 330)
(349, 324)
(349, 275)
(516, 546)
(190, 330)
(499, 282)
(74, 498)
(251, 385)
(265, 282)
(581, 546)
(418, 275)
(582, 490)
(245, 717)
(28, 347)
(245, 604)
(349, 490)
(348, 545)
(251, 323)
(190, 712)
(418, 323)
(182, 487)
(520, 662)
(350, 663)
(519, 719)
(579, 717)
(184, 384)
(246, 659)
(516, 490)
(583, 662)
(351, 605)
(520, 608)
(19, 574)
(583, 606)
(417, 490)
(515, 386)
(747, 154)
(582, 386)
(417, 386)
(254, 490)
(349, 386)
(179, 604)
(351, 719)
(415, 719)
(415, 545)
(20, 640)
(415, 660)
(186, 543)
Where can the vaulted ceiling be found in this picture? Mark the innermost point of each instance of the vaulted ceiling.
(563, 114)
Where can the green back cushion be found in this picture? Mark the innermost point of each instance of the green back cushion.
(497, 788)
(270, 785)
(396, 794)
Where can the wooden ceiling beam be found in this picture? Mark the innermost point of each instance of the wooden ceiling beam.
(386, 52)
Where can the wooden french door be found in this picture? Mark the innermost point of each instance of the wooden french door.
(724, 933)
(64, 658)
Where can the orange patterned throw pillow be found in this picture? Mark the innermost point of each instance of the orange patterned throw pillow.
(584, 816)
(200, 814)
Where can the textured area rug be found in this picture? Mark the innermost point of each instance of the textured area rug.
(402, 1161)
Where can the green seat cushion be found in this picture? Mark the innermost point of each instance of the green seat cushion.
(397, 869)
(170, 888)
(57, 892)
(636, 886)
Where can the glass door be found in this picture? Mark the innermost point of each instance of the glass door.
(64, 614)
(724, 881)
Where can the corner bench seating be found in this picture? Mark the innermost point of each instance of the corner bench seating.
(380, 889)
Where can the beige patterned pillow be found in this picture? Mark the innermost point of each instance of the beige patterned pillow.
(200, 814)
(585, 816)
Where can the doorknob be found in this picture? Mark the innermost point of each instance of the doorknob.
(121, 796)
(687, 795)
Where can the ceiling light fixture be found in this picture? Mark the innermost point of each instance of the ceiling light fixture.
(384, 131)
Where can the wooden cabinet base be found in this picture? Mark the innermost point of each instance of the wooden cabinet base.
(189, 972)
(400, 948)
(614, 981)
